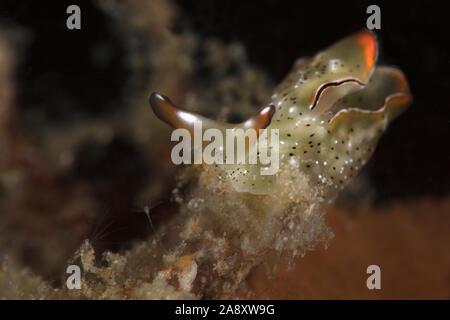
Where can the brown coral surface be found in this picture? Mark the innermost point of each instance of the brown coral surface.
(408, 241)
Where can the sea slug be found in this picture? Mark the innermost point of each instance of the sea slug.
(330, 111)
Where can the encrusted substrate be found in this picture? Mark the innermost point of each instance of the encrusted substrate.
(208, 250)
(17, 283)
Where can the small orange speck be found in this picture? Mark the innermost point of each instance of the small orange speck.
(184, 261)
(366, 40)
(195, 225)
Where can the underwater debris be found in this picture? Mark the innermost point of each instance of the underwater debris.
(19, 283)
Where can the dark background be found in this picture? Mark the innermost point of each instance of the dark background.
(56, 73)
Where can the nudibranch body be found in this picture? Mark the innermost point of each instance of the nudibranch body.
(330, 111)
